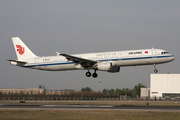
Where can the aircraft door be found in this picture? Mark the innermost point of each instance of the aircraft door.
(36, 61)
(120, 56)
(154, 52)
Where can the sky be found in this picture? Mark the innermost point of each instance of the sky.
(80, 26)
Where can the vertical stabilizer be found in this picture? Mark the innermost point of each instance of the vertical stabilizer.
(22, 51)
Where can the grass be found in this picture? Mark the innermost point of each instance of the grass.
(86, 115)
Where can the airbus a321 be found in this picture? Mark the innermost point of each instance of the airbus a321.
(102, 61)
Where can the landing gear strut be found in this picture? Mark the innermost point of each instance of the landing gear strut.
(155, 70)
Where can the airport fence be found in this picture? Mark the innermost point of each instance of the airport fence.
(83, 99)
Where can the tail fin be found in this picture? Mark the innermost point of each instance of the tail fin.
(22, 51)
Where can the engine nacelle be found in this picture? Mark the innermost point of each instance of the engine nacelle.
(107, 66)
(114, 69)
(104, 66)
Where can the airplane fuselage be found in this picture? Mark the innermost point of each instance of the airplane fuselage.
(102, 61)
(118, 58)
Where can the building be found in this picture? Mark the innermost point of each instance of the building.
(36, 91)
(145, 92)
(165, 85)
(162, 86)
(42, 86)
(24, 91)
(59, 92)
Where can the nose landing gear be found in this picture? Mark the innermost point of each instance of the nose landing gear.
(155, 70)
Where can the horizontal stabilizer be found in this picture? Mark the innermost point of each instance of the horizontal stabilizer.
(17, 62)
(22, 62)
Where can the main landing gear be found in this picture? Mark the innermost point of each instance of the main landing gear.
(94, 75)
(88, 74)
(155, 70)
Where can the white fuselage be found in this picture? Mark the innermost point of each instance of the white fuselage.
(117, 58)
(102, 61)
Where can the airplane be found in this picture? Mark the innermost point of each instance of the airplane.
(102, 61)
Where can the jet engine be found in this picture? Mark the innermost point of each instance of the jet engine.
(107, 66)
(114, 69)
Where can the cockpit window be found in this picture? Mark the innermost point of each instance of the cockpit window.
(164, 53)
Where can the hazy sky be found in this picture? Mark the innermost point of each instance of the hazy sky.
(81, 26)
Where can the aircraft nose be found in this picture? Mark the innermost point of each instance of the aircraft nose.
(173, 57)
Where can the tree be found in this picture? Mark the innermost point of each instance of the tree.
(86, 89)
(105, 91)
(137, 89)
(112, 91)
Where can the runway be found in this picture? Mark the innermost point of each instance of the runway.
(100, 107)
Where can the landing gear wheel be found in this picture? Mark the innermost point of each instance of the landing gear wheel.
(94, 75)
(88, 74)
(155, 70)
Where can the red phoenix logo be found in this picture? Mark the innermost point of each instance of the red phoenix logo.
(20, 49)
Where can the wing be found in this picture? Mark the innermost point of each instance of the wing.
(84, 62)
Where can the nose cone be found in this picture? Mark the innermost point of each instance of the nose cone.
(172, 58)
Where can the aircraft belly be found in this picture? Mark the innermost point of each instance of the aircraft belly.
(57, 67)
(131, 62)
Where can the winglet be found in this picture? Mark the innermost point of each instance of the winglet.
(58, 53)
